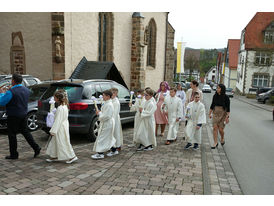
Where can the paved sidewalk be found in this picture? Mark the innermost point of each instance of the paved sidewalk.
(254, 102)
(167, 170)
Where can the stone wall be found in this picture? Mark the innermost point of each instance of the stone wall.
(36, 33)
(170, 55)
(137, 79)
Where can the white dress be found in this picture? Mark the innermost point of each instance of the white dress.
(59, 146)
(197, 116)
(105, 139)
(182, 95)
(145, 134)
(118, 133)
(139, 103)
(173, 105)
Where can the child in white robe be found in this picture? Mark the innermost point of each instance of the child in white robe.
(105, 140)
(173, 108)
(196, 118)
(118, 133)
(139, 102)
(59, 147)
(145, 135)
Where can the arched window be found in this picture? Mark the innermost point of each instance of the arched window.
(105, 36)
(151, 43)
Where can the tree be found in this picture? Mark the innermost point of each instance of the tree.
(191, 63)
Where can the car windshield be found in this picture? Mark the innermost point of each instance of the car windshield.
(229, 89)
(74, 92)
(206, 86)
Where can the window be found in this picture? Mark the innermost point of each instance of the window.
(260, 80)
(105, 36)
(263, 58)
(123, 93)
(151, 45)
(269, 34)
(269, 37)
(88, 92)
(31, 81)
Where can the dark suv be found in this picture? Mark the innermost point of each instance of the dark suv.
(82, 117)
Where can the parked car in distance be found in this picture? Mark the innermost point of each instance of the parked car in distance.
(263, 97)
(82, 116)
(229, 92)
(36, 91)
(187, 85)
(2, 76)
(214, 87)
(262, 90)
(182, 83)
(206, 88)
(28, 80)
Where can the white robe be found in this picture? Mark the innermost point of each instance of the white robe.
(197, 116)
(173, 105)
(59, 146)
(145, 134)
(139, 103)
(105, 139)
(118, 133)
(182, 95)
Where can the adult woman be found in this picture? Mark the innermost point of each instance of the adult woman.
(221, 109)
(182, 95)
(160, 117)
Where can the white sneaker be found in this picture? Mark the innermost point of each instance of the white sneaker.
(140, 148)
(72, 160)
(51, 160)
(148, 148)
(112, 153)
(97, 156)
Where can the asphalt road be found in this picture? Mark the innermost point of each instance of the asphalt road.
(250, 146)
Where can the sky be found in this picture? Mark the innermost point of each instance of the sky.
(203, 24)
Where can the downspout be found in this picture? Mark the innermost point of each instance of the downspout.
(245, 72)
(166, 45)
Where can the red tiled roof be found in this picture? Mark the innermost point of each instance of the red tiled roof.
(254, 36)
(233, 49)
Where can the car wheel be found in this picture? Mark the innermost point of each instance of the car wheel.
(93, 130)
(32, 121)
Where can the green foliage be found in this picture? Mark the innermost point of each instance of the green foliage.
(207, 59)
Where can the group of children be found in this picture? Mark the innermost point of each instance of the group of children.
(110, 136)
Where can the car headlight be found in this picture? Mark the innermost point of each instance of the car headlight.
(262, 94)
(4, 115)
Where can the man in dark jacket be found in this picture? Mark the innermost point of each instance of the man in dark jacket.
(16, 102)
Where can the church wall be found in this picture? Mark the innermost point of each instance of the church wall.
(36, 31)
(81, 38)
(155, 75)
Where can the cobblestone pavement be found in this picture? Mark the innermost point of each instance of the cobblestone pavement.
(167, 170)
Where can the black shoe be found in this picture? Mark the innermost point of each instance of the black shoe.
(215, 146)
(196, 146)
(222, 143)
(37, 152)
(188, 146)
(11, 158)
